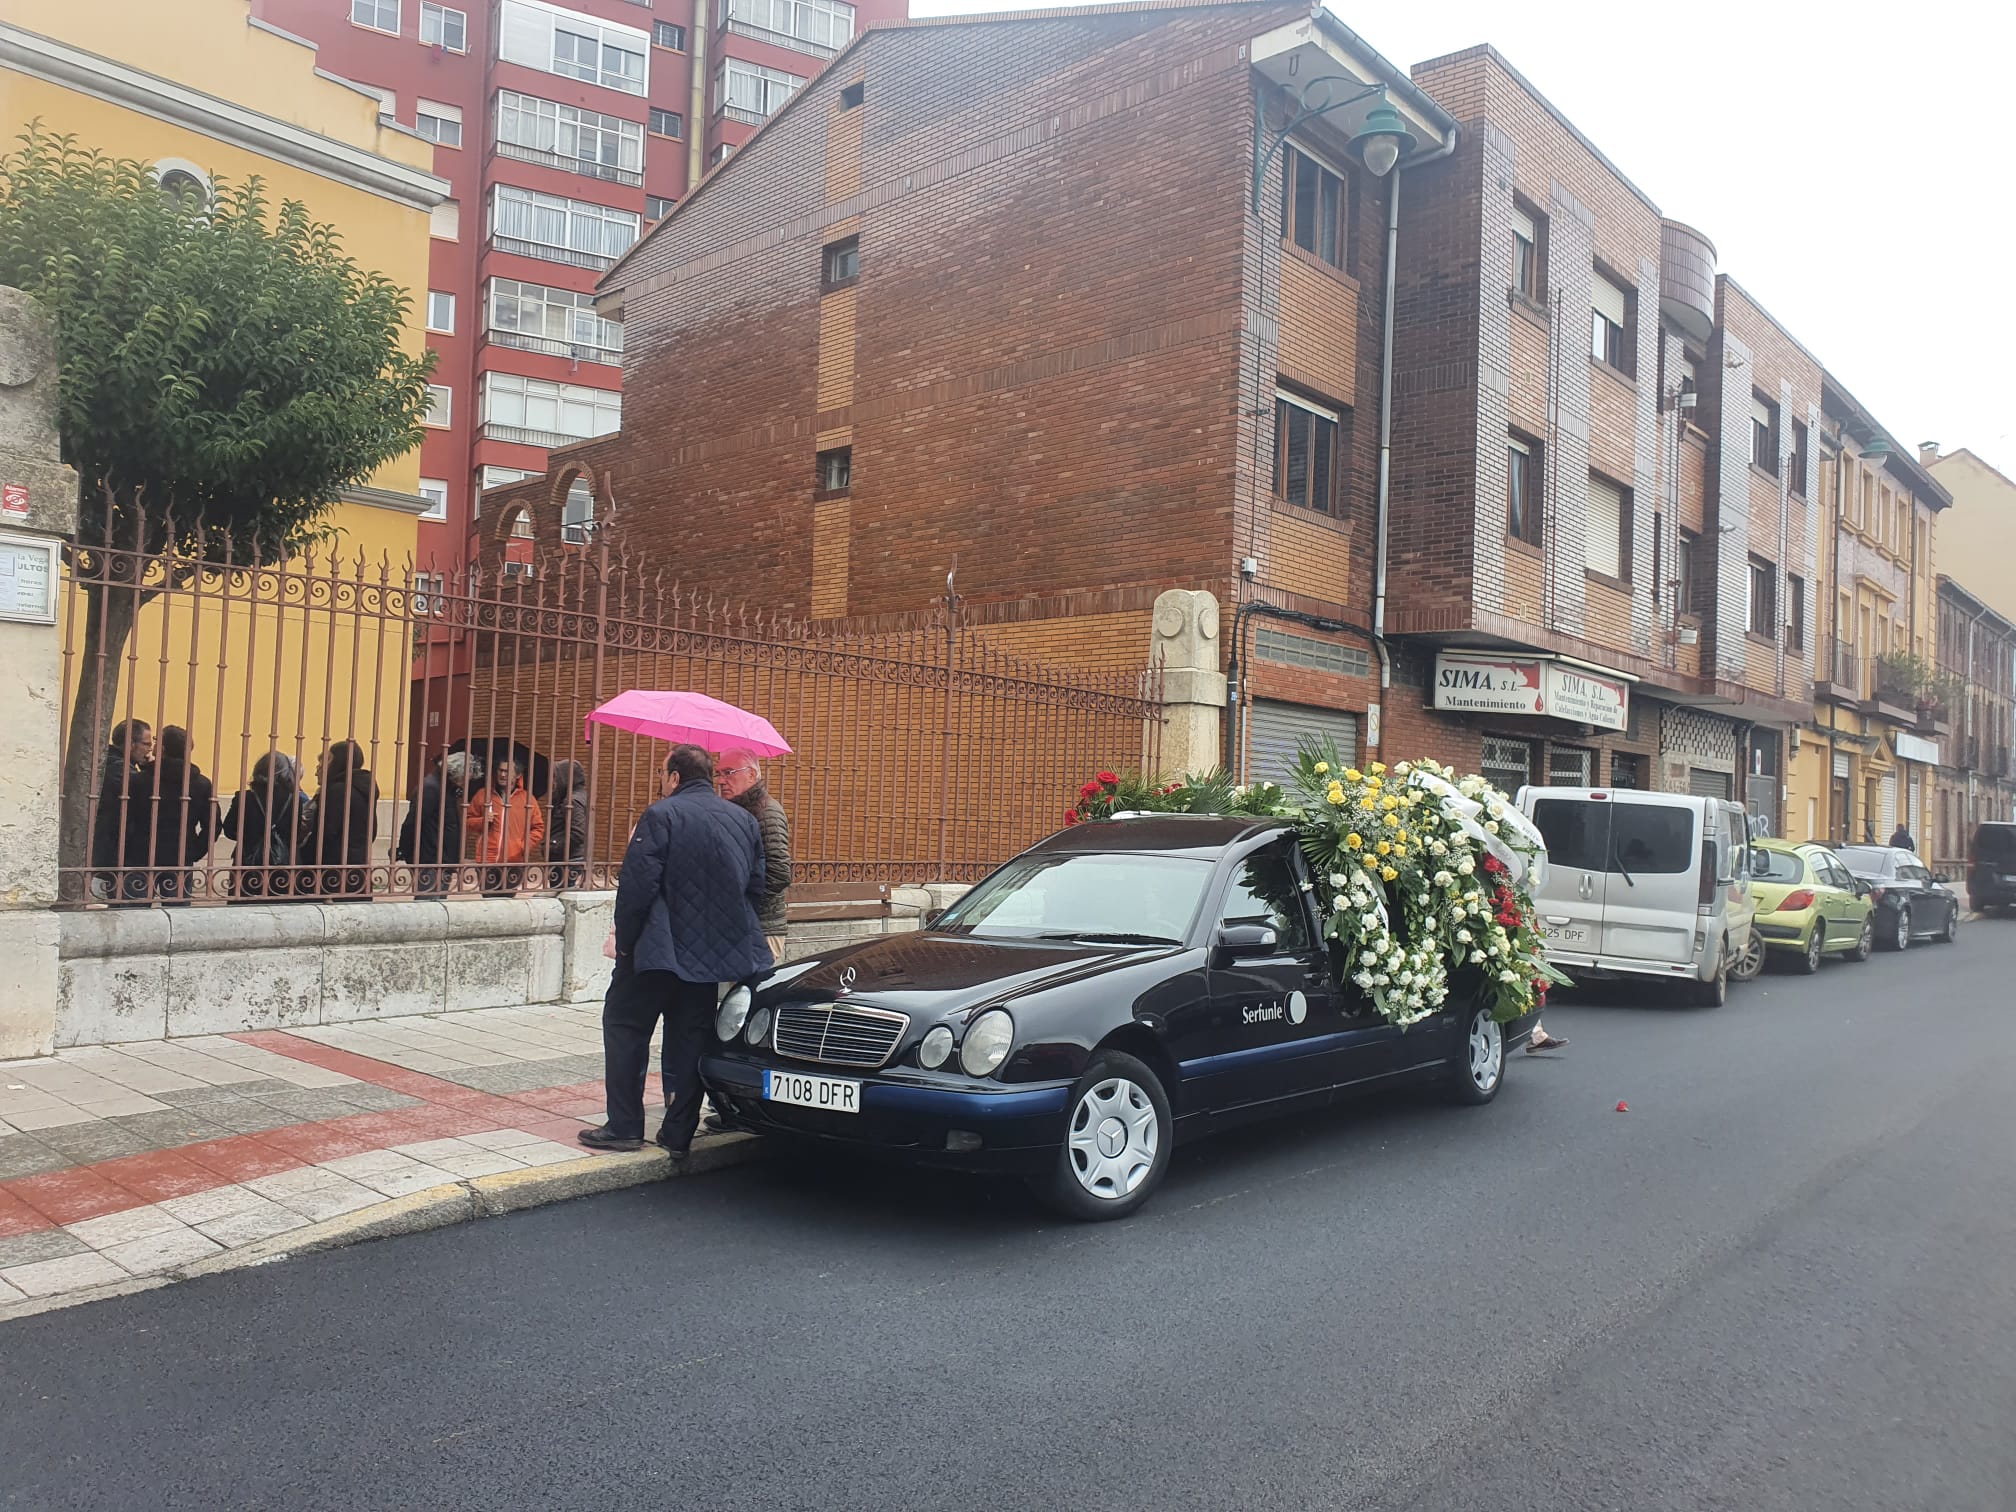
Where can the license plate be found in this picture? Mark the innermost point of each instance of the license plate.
(829, 1093)
(1567, 934)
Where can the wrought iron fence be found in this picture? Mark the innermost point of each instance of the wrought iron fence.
(328, 727)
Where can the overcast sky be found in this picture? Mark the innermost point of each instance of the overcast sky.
(1854, 164)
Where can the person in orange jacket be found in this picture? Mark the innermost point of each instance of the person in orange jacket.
(506, 825)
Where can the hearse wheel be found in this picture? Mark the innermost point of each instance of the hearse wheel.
(1477, 1068)
(1117, 1138)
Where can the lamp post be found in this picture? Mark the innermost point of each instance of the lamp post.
(1380, 143)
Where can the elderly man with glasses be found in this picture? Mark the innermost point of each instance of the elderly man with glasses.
(739, 779)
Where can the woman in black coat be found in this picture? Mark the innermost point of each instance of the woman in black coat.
(183, 818)
(265, 820)
(341, 821)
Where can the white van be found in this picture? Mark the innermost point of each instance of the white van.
(1645, 885)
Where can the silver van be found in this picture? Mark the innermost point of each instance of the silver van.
(1645, 885)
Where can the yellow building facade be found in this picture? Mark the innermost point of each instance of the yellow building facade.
(1978, 535)
(201, 88)
(1868, 759)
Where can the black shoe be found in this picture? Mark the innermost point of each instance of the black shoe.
(677, 1152)
(714, 1123)
(601, 1139)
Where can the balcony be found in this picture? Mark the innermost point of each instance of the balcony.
(1896, 694)
(781, 39)
(1966, 751)
(517, 435)
(746, 117)
(546, 253)
(566, 164)
(573, 350)
(1841, 675)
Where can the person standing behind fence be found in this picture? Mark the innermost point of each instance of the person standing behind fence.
(507, 827)
(122, 808)
(567, 825)
(265, 821)
(686, 904)
(341, 821)
(184, 816)
(432, 836)
(740, 781)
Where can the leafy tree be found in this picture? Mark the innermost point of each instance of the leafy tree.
(225, 372)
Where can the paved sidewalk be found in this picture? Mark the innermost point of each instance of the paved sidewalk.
(129, 1161)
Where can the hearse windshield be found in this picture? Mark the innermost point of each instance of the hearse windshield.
(1114, 896)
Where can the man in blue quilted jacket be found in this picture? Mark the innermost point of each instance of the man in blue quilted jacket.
(687, 905)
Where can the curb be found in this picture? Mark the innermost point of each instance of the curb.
(437, 1207)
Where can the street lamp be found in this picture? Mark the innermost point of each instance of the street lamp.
(1380, 143)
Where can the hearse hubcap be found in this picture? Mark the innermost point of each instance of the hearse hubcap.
(1113, 1138)
(1487, 1051)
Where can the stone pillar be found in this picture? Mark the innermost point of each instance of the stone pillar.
(38, 508)
(1185, 647)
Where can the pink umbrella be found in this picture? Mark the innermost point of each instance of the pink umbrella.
(691, 718)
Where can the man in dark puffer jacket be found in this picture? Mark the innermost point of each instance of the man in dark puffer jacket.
(686, 921)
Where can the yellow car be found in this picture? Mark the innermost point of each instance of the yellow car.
(1808, 904)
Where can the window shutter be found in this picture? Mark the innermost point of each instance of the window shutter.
(1608, 299)
(1602, 545)
(526, 36)
(1687, 374)
(1522, 224)
(445, 220)
(1275, 733)
(1760, 412)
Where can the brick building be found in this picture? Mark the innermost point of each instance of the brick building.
(990, 293)
(1977, 774)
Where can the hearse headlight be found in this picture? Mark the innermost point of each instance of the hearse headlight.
(987, 1043)
(733, 1012)
(936, 1049)
(759, 1027)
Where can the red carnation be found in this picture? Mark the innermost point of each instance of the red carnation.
(1088, 790)
(1493, 864)
(1070, 816)
(1109, 779)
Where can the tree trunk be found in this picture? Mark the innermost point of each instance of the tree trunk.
(110, 612)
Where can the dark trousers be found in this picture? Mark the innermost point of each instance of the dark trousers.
(636, 1001)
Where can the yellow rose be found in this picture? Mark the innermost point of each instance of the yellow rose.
(1385, 848)
(1367, 804)
(1322, 769)
(1379, 769)
(1354, 840)
(1352, 774)
(1402, 836)
(1389, 803)
(1399, 850)
(1369, 859)
(1388, 873)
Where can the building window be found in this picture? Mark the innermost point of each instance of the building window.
(1627, 771)
(853, 94)
(566, 411)
(388, 100)
(1685, 573)
(379, 15)
(441, 26)
(667, 123)
(1507, 764)
(657, 207)
(565, 42)
(1764, 434)
(1610, 323)
(751, 93)
(820, 27)
(184, 184)
(840, 263)
(1571, 766)
(1798, 459)
(1522, 490)
(1526, 251)
(444, 221)
(585, 141)
(561, 322)
(1305, 453)
(722, 152)
(665, 34)
(560, 230)
(429, 588)
(1795, 611)
(1763, 597)
(836, 470)
(440, 406)
(1606, 541)
(441, 311)
(577, 514)
(1315, 208)
(440, 124)
(435, 492)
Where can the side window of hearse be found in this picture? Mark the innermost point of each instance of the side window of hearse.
(1266, 892)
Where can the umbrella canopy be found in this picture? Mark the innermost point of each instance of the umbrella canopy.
(693, 719)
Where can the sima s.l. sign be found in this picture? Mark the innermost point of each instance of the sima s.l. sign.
(1483, 683)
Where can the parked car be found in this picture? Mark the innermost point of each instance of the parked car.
(1809, 904)
(1991, 867)
(1118, 988)
(1646, 886)
(1911, 902)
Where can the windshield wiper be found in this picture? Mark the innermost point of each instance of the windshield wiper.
(1107, 938)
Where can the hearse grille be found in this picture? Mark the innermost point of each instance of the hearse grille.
(839, 1034)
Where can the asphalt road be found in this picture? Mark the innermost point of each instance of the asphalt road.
(1786, 1278)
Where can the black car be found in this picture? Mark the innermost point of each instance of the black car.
(1115, 989)
(1911, 903)
(1991, 867)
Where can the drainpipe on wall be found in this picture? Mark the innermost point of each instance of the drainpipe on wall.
(1386, 430)
(696, 98)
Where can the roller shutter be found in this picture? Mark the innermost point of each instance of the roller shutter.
(1277, 731)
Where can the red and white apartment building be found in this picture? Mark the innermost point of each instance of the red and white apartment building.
(564, 129)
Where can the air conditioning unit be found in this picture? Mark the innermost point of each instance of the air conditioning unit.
(518, 569)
